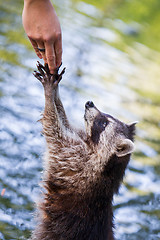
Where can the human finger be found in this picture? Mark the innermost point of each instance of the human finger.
(58, 51)
(50, 55)
(34, 44)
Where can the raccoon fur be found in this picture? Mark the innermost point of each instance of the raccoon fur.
(82, 169)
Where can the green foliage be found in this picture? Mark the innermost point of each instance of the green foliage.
(145, 13)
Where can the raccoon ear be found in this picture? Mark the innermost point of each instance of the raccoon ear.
(132, 124)
(124, 147)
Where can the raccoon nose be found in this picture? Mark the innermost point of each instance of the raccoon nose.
(89, 104)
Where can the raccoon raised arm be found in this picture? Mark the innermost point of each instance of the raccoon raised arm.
(52, 92)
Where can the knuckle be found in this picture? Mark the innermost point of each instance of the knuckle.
(48, 38)
(58, 51)
(37, 37)
(50, 58)
(58, 35)
(30, 35)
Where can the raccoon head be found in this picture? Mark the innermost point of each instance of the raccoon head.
(108, 133)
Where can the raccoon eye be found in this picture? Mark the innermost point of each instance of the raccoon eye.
(104, 124)
(101, 124)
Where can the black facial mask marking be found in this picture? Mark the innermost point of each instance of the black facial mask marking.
(98, 127)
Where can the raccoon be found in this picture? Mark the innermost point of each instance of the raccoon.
(82, 169)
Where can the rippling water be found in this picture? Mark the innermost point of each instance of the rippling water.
(111, 58)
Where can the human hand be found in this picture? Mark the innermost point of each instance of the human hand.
(43, 29)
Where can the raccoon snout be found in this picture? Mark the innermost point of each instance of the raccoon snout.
(89, 104)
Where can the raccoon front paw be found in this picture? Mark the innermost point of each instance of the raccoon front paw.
(46, 78)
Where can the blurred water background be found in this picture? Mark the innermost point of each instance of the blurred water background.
(111, 50)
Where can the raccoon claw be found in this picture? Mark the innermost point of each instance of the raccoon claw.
(43, 74)
(41, 69)
(59, 76)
